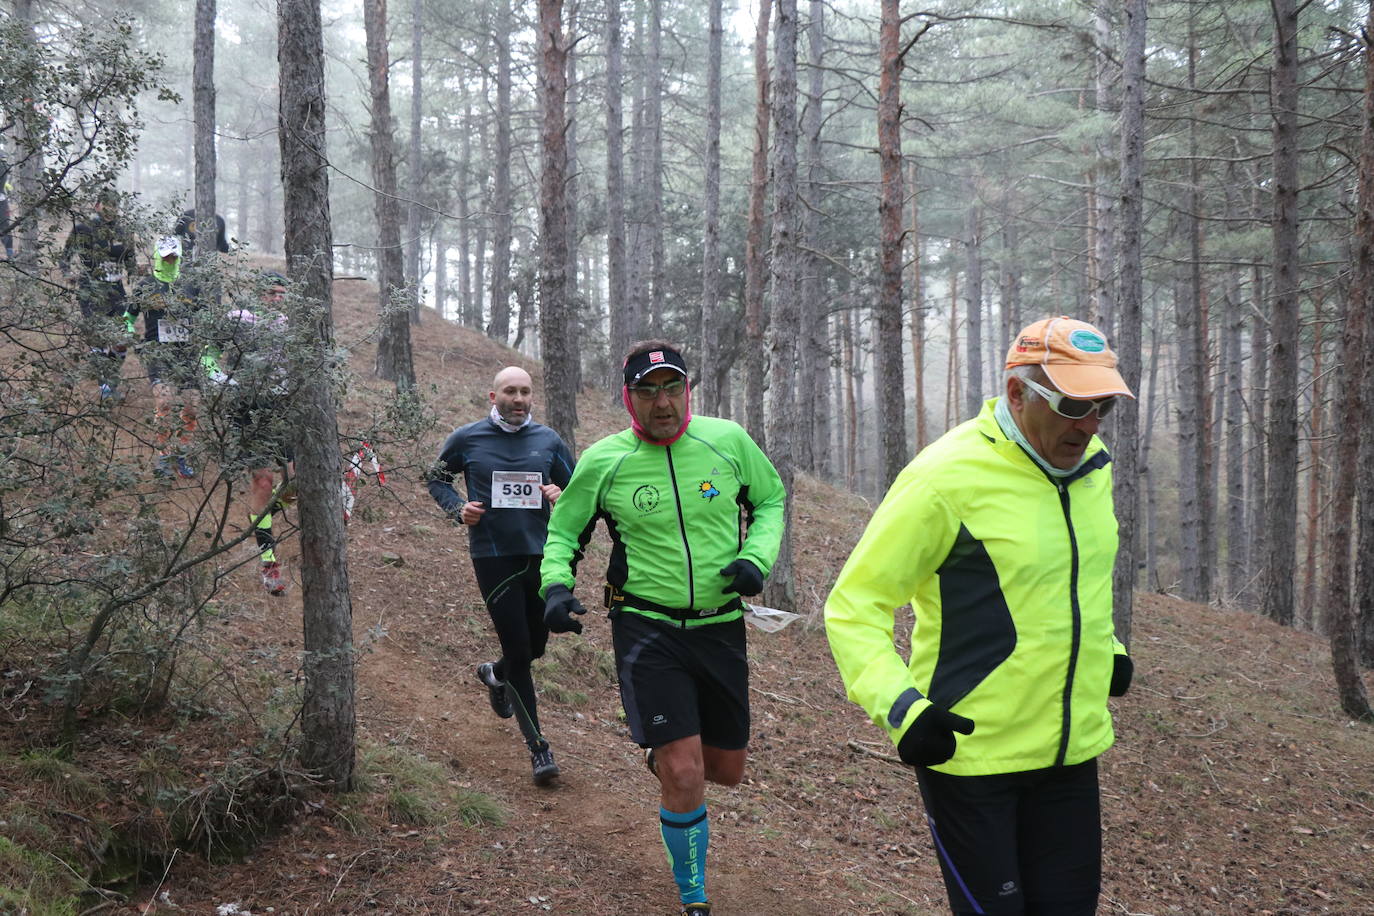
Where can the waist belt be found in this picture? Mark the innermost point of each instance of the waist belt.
(616, 599)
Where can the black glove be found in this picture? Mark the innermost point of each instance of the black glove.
(748, 581)
(559, 606)
(930, 739)
(1122, 669)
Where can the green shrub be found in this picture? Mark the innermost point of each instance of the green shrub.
(49, 767)
(35, 883)
(418, 791)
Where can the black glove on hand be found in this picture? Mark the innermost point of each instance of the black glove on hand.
(748, 581)
(1122, 670)
(930, 739)
(559, 606)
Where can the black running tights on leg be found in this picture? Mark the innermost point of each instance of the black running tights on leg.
(510, 587)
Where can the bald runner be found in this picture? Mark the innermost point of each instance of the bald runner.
(513, 471)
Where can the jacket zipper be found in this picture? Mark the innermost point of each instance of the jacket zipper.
(1077, 625)
(682, 527)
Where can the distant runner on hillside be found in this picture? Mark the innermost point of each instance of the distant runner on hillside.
(695, 511)
(248, 373)
(98, 255)
(514, 470)
(1001, 535)
(170, 356)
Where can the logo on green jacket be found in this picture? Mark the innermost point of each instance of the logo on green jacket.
(646, 498)
(708, 490)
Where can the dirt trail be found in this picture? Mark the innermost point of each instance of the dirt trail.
(596, 830)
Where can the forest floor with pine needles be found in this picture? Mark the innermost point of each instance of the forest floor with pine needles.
(1236, 785)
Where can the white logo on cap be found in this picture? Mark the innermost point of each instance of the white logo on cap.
(656, 356)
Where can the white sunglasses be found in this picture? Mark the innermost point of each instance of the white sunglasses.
(1073, 408)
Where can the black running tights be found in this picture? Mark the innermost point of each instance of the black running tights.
(510, 587)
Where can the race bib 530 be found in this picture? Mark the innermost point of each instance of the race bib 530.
(516, 490)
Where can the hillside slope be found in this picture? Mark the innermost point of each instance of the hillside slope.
(1236, 785)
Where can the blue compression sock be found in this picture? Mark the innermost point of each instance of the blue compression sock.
(685, 838)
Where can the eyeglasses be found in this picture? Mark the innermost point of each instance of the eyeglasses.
(1072, 408)
(650, 392)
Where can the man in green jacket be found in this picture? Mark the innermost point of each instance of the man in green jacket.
(695, 513)
(1001, 536)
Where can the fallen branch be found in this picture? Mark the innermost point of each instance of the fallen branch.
(863, 749)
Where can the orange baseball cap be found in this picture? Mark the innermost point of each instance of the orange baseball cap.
(1074, 355)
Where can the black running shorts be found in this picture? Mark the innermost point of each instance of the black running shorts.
(676, 682)
(1018, 844)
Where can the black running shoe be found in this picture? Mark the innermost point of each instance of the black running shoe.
(545, 770)
(696, 909)
(496, 690)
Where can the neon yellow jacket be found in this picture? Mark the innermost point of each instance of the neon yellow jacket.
(1009, 574)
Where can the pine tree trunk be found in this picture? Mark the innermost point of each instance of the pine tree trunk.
(653, 135)
(466, 302)
(479, 244)
(1104, 193)
(498, 328)
(573, 322)
(29, 168)
(1194, 522)
(440, 272)
(639, 267)
(1307, 606)
(918, 317)
(415, 184)
(1147, 474)
(851, 405)
(1282, 491)
(835, 447)
(1354, 421)
(711, 374)
(784, 322)
(1128, 458)
(891, 393)
(952, 370)
(815, 353)
(1364, 516)
(560, 347)
(973, 322)
(1256, 472)
(617, 281)
(328, 723)
(394, 360)
(1236, 545)
(1010, 283)
(522, 287)
(755, 321)
(203, 95)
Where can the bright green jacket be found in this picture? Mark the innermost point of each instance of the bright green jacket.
(673, 513)
(1009, 574)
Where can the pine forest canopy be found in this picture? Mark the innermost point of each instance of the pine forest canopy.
(1013, 206)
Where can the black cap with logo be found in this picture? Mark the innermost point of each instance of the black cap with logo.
(641, 364)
